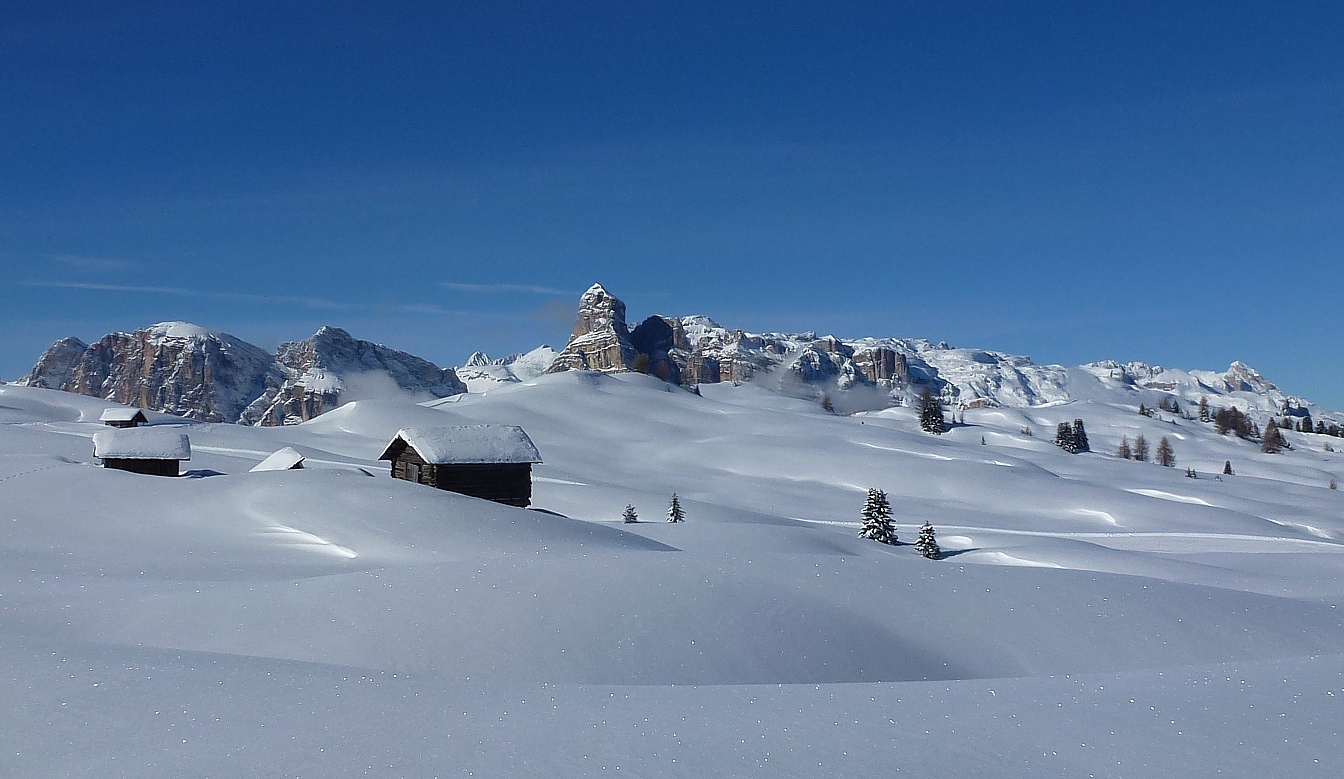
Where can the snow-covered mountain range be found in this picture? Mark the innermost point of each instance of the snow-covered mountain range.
(201, 374)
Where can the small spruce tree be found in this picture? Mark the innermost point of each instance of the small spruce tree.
(1227, 467)
(931, 413)
(674, 512)
(876, 514)
(629, 516)
(1164, 454)
(1204, 408)
(1140, 448)
(826, 404)
(1124, 452)
(927, 543)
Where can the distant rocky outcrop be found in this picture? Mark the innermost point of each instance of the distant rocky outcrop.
(697, 350)
(172, 367)
(56, 365)
(601, 339)
(318, 373)
(183, 369)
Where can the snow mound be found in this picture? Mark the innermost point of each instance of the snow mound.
(141, 443)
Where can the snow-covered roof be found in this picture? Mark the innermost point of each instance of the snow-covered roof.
(141, 443)
(280, 460)
(121, 415)
(471, 445)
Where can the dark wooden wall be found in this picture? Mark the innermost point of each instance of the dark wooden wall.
(507, 483)
(147, 467)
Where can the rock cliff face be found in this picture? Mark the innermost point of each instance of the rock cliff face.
(199, 374)
(697, 350)
(601, 338)
(323, 370)
(172, 367)
(56, 365)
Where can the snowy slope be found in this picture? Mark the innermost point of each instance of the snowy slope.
(1094, 615)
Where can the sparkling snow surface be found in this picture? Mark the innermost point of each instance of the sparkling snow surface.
(1094, 617)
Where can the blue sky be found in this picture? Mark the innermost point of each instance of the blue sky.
(1072, 181)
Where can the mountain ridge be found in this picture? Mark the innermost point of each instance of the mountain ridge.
(202, 374)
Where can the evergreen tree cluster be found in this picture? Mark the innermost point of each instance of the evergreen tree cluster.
(1072, 438)
(878, 526)
(1304, 425)
(1231, 420)
(1272, 442)
(931, 413)
(1169, 403)
(1138, 451)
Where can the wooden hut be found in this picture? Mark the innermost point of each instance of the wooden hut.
(493, 462)
(123, 417)
(147, 450)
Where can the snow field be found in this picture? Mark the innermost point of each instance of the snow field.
(1093, 616)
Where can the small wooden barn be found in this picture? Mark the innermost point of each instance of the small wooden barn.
(493, 462)
(148, 450)
(123, 417)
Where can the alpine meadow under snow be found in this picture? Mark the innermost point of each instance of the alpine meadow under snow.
(1089, 616)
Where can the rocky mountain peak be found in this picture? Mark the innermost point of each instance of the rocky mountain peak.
(176, 367)
(601, 338)
(317, 374)
(56, 365)
(184, 369)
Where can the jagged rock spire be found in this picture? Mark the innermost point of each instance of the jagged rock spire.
(601, 337)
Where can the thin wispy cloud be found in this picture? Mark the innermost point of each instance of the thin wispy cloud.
(306, 302)
(94, 264)
(494, 288)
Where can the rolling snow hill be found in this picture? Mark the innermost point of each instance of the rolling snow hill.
(1093, 615)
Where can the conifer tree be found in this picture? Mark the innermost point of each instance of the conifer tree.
(1320, 427)
(927, 543)
(1164, 454)
(1124, 452)
(1143, 410)
(826, 404)
(1272, 441)
(629, 516)
(674, 512)
(876, 514)
(1080, 443)
(931, 413)
(1204, 408)
(1064, 436)
(1227, 467)
(1140, 448)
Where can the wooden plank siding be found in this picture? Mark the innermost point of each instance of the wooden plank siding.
(507, 483)
(147, 467)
